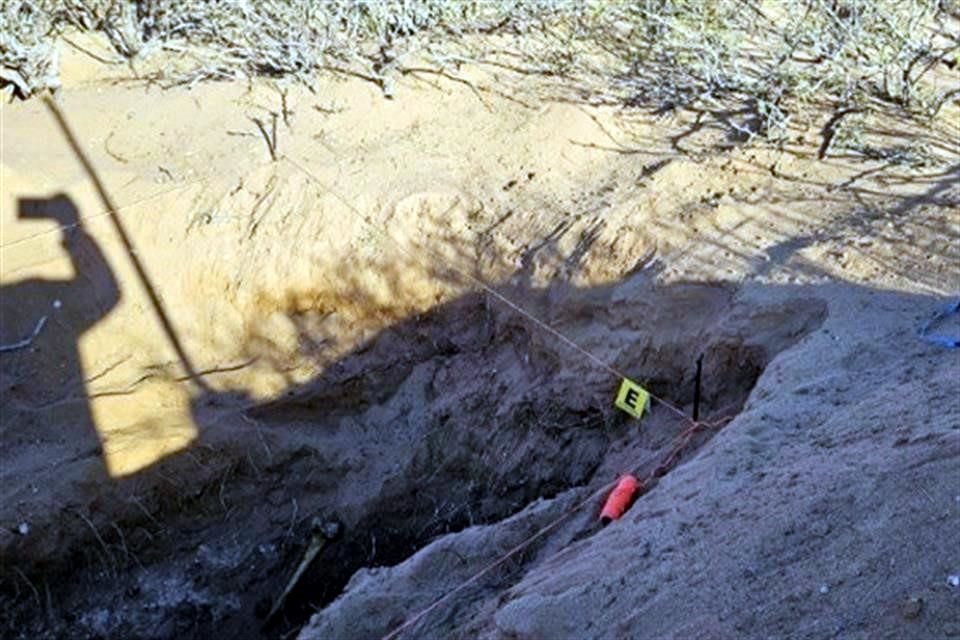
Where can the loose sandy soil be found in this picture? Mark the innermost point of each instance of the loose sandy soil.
(413, 322)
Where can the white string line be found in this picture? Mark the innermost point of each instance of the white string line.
(523, 544)
(135, 202)
(101, 214)
(480, 283)
(510, 303)
(520, 546)
(516, 307)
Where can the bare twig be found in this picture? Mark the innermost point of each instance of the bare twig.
(267, 137)
(106, 549)
(263, 442)
(284, 109)
(26, 342)
(830, 130)
(273, 132)
(953, 94)
(36, 594)
(293, 518)
(123, 543)
(93, 55)
(450, 76)
(110, 152)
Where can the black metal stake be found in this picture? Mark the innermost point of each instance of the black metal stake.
(696, 389)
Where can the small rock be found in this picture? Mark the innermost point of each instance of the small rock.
(824, 589)
(23, 528)
(953, 581)
(911, 608)
(623, 28)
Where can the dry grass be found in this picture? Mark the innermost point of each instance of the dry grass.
(769, 62)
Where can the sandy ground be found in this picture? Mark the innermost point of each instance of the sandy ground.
(346, 312)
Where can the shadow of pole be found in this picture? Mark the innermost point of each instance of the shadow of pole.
(165, 322)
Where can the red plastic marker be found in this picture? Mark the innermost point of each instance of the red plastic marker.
(619, 499)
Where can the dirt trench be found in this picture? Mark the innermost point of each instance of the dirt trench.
(460, 416)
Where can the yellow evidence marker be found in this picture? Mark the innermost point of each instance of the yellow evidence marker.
(632, 398)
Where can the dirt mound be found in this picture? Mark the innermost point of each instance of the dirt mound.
(524, 433)
(708, 549)
(460, 417)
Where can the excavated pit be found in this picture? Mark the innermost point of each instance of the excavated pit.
(460, 416)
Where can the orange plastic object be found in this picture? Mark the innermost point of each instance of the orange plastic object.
(619, 499)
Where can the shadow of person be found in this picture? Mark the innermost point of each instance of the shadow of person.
(43, 397)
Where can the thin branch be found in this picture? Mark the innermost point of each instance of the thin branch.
(449, 76)
(26, 342)
(23, 576)
(830, 130)
(266, 137)
(93, 55)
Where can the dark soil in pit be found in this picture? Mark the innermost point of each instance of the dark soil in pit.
(464, 415)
